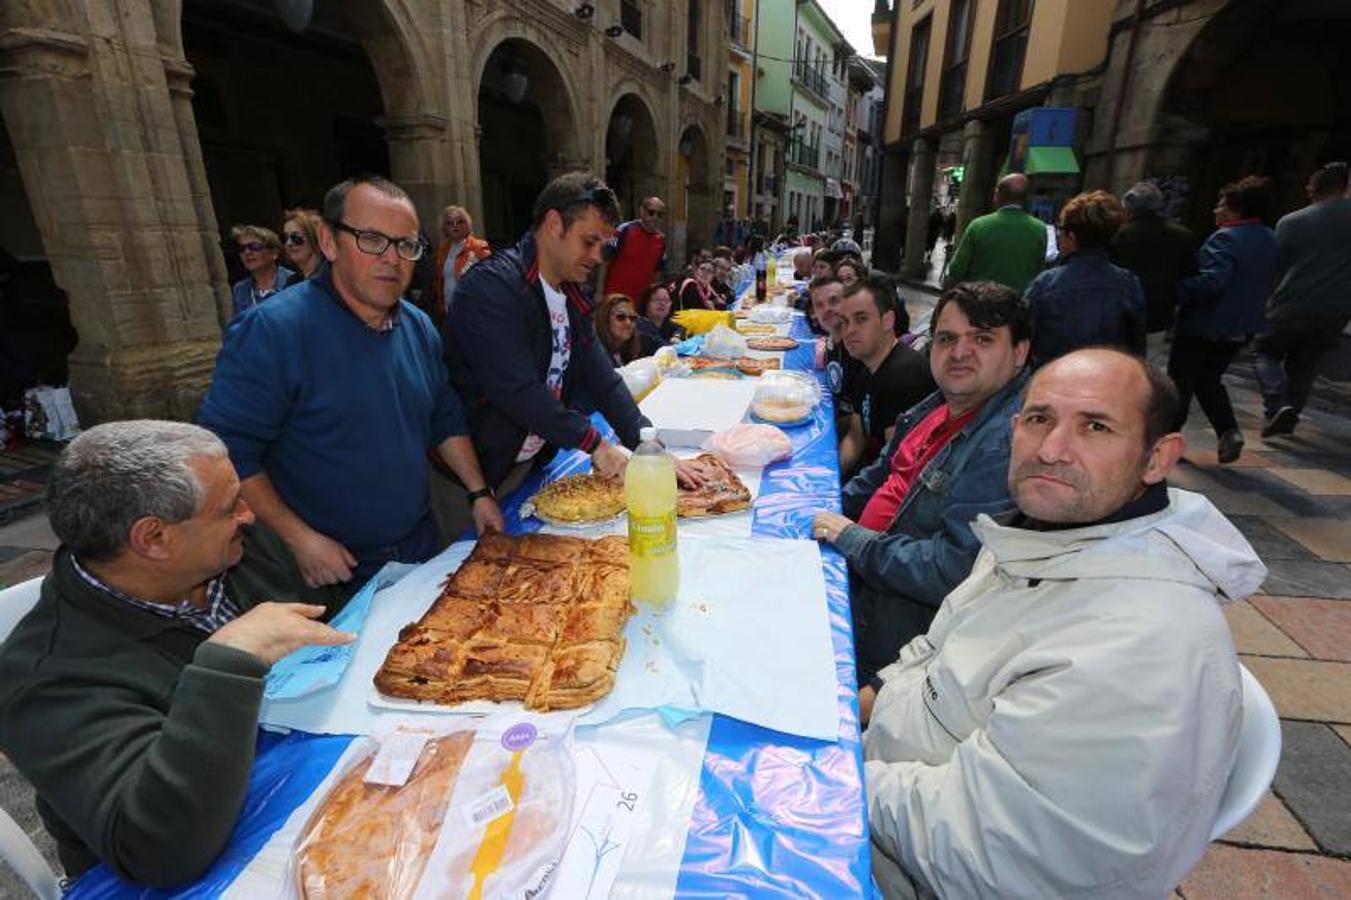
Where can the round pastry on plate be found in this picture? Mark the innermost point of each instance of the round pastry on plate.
(771, 343)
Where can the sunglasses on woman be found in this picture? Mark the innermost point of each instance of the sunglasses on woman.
(252, 247)
(625, 317)
(293, 239)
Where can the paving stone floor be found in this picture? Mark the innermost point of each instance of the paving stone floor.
(1292, 498)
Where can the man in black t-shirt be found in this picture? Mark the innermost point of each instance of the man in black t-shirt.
(892, 377)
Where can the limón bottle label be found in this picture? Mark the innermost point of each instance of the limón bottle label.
(652, 536)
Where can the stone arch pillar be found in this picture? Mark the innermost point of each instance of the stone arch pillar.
(90, 110)
(415, 120)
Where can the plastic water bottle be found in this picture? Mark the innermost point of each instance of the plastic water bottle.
(650, 493)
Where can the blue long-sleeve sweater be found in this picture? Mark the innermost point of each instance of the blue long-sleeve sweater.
(338, 415)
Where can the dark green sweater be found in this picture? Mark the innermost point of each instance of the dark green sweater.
(137, 735)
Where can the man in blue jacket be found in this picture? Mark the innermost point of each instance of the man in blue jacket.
(522, 349)
(906, 529)
(330, 396)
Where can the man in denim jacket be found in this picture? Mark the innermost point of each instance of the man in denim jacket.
(906, 528)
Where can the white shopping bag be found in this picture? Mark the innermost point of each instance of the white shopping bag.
(49, 414)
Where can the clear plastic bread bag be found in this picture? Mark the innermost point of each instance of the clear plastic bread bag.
(724, 343)
(750, 445)
(641, 376)
(510, 814)
(490, 806)
(374, 839)
(785, 398)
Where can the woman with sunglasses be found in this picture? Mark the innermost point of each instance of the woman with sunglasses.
(258, 249)
(300, 236)
(617, 328)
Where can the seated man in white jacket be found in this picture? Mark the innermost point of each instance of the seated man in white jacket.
(1067, 726)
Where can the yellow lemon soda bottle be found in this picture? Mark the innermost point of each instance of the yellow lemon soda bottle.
(650, 493)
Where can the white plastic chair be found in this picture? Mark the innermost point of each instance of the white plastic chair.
(1259, 751)
(15, 847)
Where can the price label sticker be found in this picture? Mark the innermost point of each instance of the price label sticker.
(492, 805)
(395, 760)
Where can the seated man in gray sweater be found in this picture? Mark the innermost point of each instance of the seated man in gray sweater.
(129, 695)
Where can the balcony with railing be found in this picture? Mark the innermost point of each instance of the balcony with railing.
(802, 154)
(812, 78)
(767, 183)
(631, 17)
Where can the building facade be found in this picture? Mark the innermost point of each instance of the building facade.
(864, 98)
(1200, 93)
(740, 87)
(1187, 93)
(140, 131)
(961, 70)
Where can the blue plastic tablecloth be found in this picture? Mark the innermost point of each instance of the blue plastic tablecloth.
(777, 815)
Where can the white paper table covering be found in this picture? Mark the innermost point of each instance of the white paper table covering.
(694, 655)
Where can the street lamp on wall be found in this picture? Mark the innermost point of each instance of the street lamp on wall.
(296, 13)
(584, 11)
(614, 31)
(515, 84)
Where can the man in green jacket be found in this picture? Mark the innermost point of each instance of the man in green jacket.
(129, 695)
(1007, 245)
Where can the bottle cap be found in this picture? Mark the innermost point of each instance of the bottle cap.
(647, 434)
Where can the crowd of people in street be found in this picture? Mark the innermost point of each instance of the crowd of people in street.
(1015, 553)
(1124, 272)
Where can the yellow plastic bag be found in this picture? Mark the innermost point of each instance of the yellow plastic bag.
(698, 321)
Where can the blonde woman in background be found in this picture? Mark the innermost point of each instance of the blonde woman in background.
(300, 237)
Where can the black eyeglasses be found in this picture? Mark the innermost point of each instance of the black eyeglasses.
(376, 242)
(252, 247)
(293, 239)
(625, 317)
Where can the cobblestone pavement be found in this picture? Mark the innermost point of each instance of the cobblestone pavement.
(1291, 496)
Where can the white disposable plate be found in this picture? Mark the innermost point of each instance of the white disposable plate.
(468, 708)
(528, 510)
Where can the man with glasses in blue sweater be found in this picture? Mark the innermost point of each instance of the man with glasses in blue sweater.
(330, 396)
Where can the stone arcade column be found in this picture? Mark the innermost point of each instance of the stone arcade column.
(96, 131)
(978, 178)
(922, 154)
(418, 161)
(179, 75)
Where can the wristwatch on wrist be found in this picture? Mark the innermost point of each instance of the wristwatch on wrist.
(474, 496)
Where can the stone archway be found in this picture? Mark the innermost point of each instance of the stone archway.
(696, 210)
(1264, 88)
(527, 128)
(35, 329)
(632, 153)
(344, 97)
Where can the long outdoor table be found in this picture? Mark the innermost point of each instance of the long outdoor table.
(776, 815)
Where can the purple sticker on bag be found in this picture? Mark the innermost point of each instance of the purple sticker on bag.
(518, 737)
